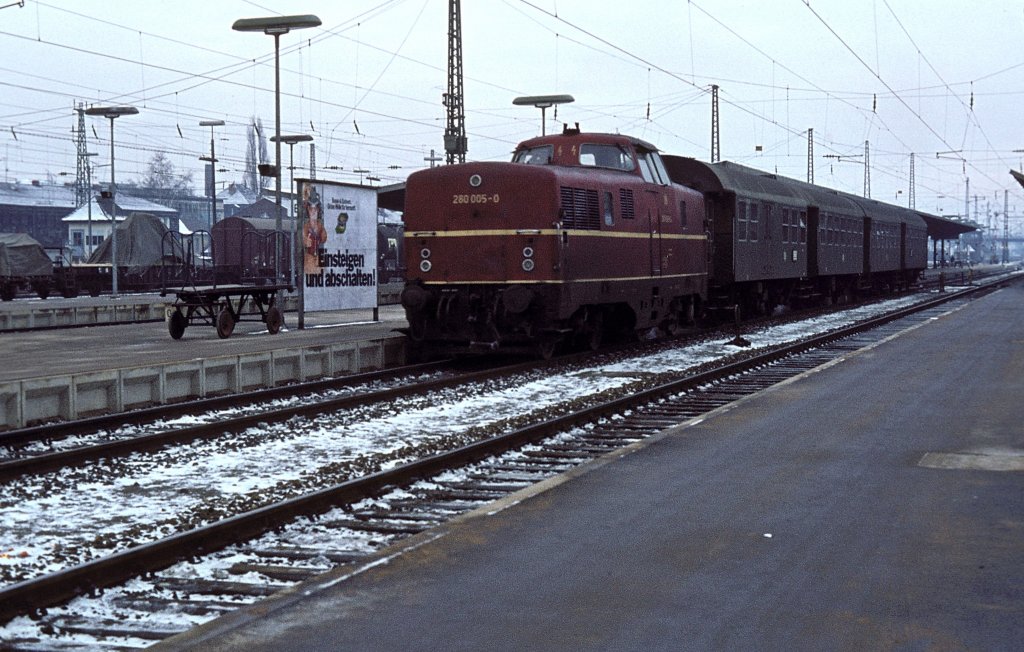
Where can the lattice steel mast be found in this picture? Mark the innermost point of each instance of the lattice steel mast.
(867, 170)
(82, 175)
(913, 185)
(716, 150)
(810, 155)
(455, 144)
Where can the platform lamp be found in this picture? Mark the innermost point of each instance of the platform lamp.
(543, 102)
(290, 140)
(276, 26)
(112, 112)
(213, 168)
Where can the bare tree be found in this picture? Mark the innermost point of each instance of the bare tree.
(163, 180)
(255, 154)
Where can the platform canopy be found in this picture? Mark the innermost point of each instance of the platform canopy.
(940, 228)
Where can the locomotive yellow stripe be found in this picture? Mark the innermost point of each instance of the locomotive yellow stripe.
(550, 232)
(575, 280)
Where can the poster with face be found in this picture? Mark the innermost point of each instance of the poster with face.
(339, 245)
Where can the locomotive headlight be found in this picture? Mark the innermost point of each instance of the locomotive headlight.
(475, 180)
(425, 266)
(424, 253)
(527, 265)
(527, 252)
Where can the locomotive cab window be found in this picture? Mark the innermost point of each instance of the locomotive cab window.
(605, 156)
(652, 169)
(540, 155)
(646, 171)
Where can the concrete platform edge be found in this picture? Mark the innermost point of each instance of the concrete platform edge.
(35, 401)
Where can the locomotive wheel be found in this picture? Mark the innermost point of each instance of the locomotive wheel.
(176, 324)
(225, 324)
(274, 320)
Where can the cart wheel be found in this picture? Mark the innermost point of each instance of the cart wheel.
(176, 324)
(225, 324)
(274, 320)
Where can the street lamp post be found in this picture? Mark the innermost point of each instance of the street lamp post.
(213, 168)
(296, 271)
(543, 102)
(276, 26)
(112, 112)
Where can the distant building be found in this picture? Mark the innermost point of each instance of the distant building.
(36, 209)
(234, 198)
(263, 208)
(95, 218)
(39, 210)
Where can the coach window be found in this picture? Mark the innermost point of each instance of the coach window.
(741, 220)
(609, 216)
(752, 222)
(785, 225)
(803, 227)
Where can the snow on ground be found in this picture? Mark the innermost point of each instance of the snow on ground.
(54, 520)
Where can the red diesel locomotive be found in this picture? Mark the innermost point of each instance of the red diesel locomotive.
(579, 236)
(584, 235)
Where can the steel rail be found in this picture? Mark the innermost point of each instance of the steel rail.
(31, 597)
(75, 456)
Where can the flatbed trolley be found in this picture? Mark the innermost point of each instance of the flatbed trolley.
(244, 288)
(223, 306)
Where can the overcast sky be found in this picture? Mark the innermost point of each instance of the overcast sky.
(942, 79)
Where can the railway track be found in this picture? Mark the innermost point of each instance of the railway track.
(62, 445)
(267, 549)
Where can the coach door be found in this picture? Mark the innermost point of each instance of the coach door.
(813, 240)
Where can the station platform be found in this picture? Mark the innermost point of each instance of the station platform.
(54, 374)
(877, 503)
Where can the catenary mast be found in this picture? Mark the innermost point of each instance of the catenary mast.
(455, 145)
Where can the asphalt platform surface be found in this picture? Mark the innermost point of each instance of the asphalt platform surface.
(875, 504)
(31, 354)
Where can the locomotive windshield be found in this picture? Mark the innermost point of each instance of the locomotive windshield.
(540, 155)
(606, 156)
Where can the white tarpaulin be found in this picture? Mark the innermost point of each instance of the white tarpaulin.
(339, 245)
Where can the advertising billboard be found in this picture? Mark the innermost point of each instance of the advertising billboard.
(339, 245)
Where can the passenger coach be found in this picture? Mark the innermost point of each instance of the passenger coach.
(781, 242)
